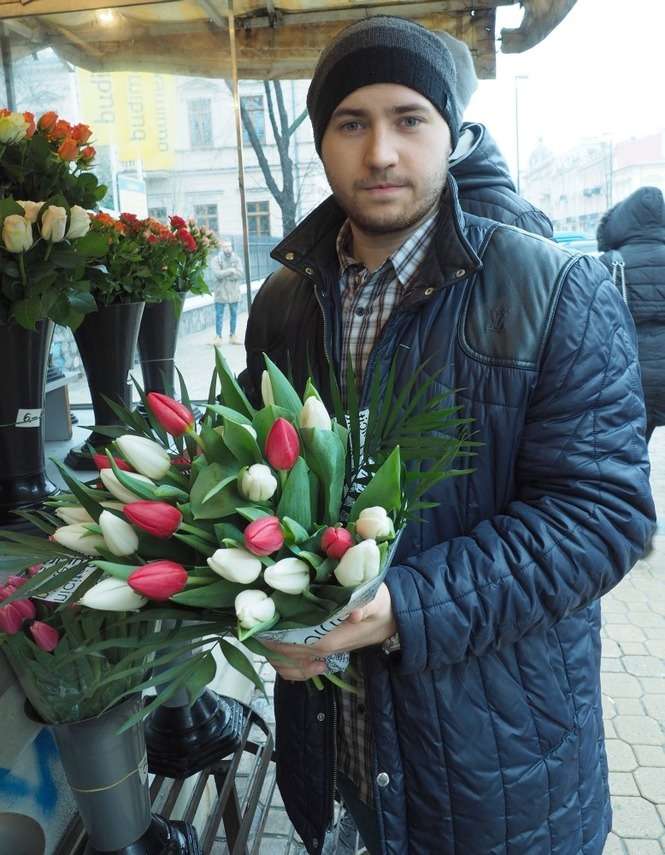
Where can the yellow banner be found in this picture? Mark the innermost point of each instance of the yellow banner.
(131, 112)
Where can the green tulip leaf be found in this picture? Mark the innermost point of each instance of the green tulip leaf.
(223, 503)
(296, 501)
(241, 443)
(325, 455)
(283, 392)
(384, 490)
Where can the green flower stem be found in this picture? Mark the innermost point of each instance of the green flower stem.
(48, 250)
(318, 683)
(192, 581)
(21, 267)
(336, 681)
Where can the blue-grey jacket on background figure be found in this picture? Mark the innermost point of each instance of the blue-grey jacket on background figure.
(488, 722)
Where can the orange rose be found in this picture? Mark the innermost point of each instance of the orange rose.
(87, 153)
(48, 121)
(81, 133)
(61, 129)
(30, 119)
(68, 149)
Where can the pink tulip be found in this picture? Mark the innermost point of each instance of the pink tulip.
(157, 518)
(11, 619)
(44, 636)
(282, 445)
(336, 541)
(158, 580)
(17, 581)
(33, 569)
(264, 536)
(173, 416)
(26, 608)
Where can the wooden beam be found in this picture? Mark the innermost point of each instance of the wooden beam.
(540, 18)
(27, 8)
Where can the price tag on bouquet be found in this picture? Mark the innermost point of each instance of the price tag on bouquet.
(65, 592)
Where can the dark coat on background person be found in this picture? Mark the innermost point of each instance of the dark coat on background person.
(635, 229)
(485, 187)
(488, 722)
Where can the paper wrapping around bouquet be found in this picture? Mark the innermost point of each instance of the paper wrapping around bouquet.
(361, 596)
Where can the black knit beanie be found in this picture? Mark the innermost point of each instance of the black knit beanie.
(383, 49)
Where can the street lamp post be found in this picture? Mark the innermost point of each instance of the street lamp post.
(517, 126)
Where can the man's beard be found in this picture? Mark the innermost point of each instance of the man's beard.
(382, 223)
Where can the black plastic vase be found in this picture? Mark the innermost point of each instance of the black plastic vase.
(158, 339)
(24, 356)
(107, 342)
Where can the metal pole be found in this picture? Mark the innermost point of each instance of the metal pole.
(7, 68)
(517, 132)
(241, 162)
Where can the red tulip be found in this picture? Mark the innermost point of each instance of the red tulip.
(157, 518)
(158, 580)
(173, 416)
(102, 462)
(177, 222)
(11, 619)
(282, 445)
(17, 581)
(33, 569)
(44, 636)
(264, 536)
(26, 609)
(335, 542)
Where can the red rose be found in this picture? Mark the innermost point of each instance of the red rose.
(177, 222)
(187, 240)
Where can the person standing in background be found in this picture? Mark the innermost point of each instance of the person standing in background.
(227, 273)
(632, 234)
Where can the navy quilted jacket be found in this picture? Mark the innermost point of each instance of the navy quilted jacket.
(488, 723)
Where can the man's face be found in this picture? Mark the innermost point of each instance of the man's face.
(226, 248)
(385, 152)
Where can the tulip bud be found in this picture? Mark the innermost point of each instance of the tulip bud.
(159, 580)
(282, 445)
(120, 537)
(375, 524)
(54, 224)
(336, 541)
(32, 210)
(78, 538)
(235, 565)
(73, 515)
(266, 390)
(290, 575)
(79, 223)
(157, 518)
(359, 564)
(102, 462)
(112, 595)
(264, 536)
(11, 619)
(257, 483)
(16, 233)
(173, 416)
(314, 415)
(253, 607)
(44, 636)
(145, 455)
(110, 481)
(26, 608)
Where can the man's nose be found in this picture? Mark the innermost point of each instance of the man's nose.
(381, 151)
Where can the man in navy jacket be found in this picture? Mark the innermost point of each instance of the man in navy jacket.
(478, 728)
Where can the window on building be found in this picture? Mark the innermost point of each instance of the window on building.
(158, 214)
(200, 122)
(206, 215)
(253, 105)
(258, 218)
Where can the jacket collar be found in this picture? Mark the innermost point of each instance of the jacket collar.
(310, 248)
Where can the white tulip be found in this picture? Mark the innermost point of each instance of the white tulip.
(375, 523)
(31, 209)
(257, 483)
(235, 565)
(72, 515)
(78, 538)
(16, 233)
(112, 595)
(314, 415)
(266, 390)
(145, 455)
(290, 575)
(120, 537)
(79, 223)
(13, 128)
(253, 607)
(54, 224)
(358, 564)
(110, 481)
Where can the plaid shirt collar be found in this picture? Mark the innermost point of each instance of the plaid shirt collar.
(406, 260)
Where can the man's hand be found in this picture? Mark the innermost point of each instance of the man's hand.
(372, 624)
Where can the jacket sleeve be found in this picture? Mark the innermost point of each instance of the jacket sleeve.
(582, 510)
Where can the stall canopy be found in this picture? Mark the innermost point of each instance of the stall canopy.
(274, 38)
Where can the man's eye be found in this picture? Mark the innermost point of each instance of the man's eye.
(350, 126)
(411, 121)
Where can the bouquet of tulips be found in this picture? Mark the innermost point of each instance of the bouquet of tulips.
(268, 522)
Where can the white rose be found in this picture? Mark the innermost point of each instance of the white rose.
(79, 223)
(16, 233)
(13, 128)
(54, 224)
(31, 209)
